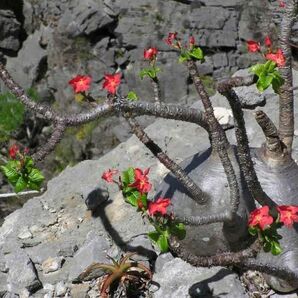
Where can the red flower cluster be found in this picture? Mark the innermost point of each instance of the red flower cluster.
(159, 206)
(13, 151)
(260, 217)
(288, 215)
(112, 82)
(108, 175)
(282, 4)
(80, 83)
(150, 54)
(277, 57)
(191, 41)
(171, 37)
(141, 183)
(253, 46)
(268, 42)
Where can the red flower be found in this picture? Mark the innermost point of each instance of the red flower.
(253, 46)
(141, 181)
(282, 4)
(278, 57)
(112, 82)
(26, 150)
(13, 150)
(288, 215)
(268, 42)
(80, 83)
(108, 175)
(260, 217)
(150, 53)
(159, 206)
(191, 41)
(171, 37)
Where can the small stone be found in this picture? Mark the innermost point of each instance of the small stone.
(49, 287)
(35, 228)
(52, 264)
(22, 273)
(61, 289)
(24, 294)
(25, 234)
(52, 210)
(224, 117)
(161, 260)
(79, 290)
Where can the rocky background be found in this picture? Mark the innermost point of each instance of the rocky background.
(79, 221)
(46, 43)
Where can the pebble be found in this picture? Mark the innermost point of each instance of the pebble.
(52, 264)
(61, 289)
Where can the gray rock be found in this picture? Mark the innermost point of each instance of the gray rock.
(52, 264)
(26, 66)
(179, 279)
(79, 290)
(142, 245)
(61, 289)
(224, 117)
(19, 262)
(3, 284)
(161, 260)
(10, 29)
(220, 60)
(250, 97)
(93, 251)
(84, 18)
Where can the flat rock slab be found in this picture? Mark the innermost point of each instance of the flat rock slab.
(179, 279)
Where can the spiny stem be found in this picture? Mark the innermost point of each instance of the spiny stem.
(218, 138)
(274, 146)
(156, 89)
(204, 220)
(55, 138)
(245, 160)
(286, 95)
(223, 259)
(162, 110)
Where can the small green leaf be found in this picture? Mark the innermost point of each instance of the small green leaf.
(196, 53)
(144, 200)
(275, 248)
(149, 72)
(162, 243)
(29, 162)
(132, 96)
(132, 197)
(79, 97)
(253, 231)
(11, 173)
(35, 176)
(154, 235)
(178, 229)
(128, 176)
(33, 186)
(257, 69)
(21, 184)
(184, 56)
(267, 246)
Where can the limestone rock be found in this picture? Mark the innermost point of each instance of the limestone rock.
(22, 273)
(10, 29)
(179, 279)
